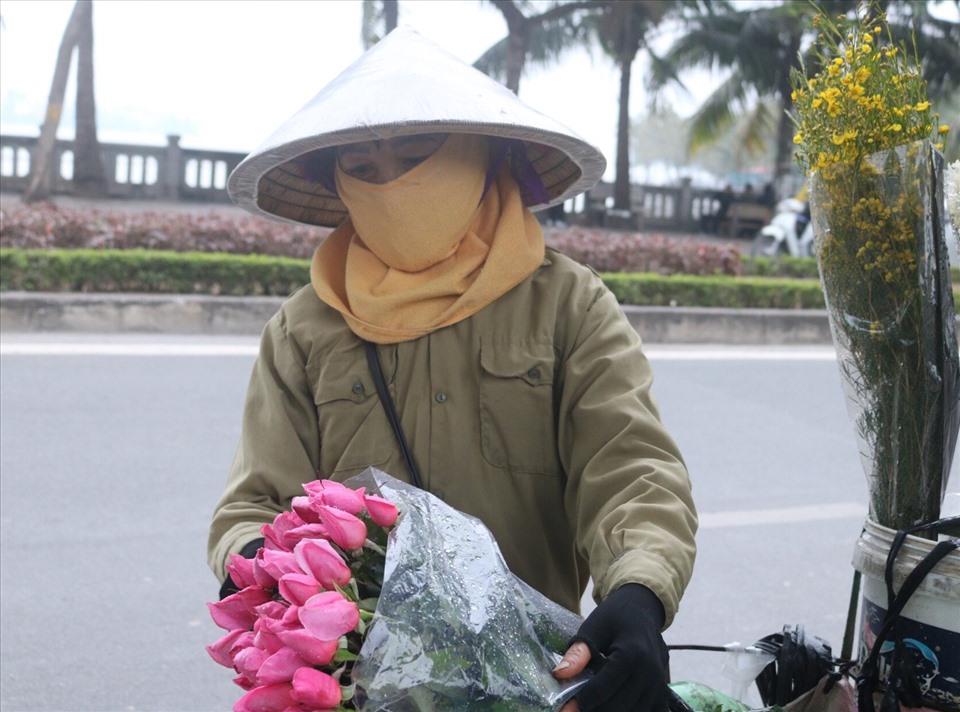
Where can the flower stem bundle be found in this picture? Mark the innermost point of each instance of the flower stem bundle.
(870, 141)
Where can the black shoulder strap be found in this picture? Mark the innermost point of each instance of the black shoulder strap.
(373, 361)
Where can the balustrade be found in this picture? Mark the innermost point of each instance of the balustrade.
(177, 174)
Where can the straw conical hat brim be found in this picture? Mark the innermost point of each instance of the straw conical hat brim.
(403, 85)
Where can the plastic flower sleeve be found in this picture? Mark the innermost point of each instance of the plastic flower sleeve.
(454, 628)
(885, 273)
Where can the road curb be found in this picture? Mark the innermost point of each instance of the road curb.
(26, 312)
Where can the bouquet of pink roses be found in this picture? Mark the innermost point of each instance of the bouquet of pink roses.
(348, 606)
(296, 626)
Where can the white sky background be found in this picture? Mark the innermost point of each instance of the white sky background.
(223, 74)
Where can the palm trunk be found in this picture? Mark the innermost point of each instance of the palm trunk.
(391, 13)
(88, 173)
(621, 186)
(784, 147)
(40, 165)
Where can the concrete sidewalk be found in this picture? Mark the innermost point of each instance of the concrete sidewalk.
(32, 312)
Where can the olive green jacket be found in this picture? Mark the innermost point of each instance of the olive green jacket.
(534, 415)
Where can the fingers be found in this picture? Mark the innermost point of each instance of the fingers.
(573, 663)
(571, 706)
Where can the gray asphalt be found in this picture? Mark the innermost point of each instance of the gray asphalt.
(114, 449)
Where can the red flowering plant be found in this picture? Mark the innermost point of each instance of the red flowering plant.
(295, 628)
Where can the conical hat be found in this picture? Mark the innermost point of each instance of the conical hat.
(404, 85)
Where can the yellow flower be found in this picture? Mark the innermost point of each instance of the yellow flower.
(798, 138)
(923, 106)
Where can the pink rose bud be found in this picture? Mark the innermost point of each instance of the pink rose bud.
(308, 646)
(304, 507)
(275, 533)
(328, 615)
(298, 588)
(345, 530)
(315, 689)
(336, 494)
(244, 682)
(238, 611)
(307, 531)
(267, 698)
(381, 511)
(277, 563)
(319, 559)
(279, 667)
(248, 661)
(220, 651)
(264, 637)
(241, 571)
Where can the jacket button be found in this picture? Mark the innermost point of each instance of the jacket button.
(358, 388)
(534, 373)
(441, 397)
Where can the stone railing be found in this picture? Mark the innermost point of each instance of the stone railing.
(173, 173)
(133, 171)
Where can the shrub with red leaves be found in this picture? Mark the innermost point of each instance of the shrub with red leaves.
(47, 226)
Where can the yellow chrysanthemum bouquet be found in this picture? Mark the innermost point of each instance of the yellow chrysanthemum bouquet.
(870, 141)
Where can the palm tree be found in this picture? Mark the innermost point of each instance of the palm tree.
(40, 169)
(622, 30)
(758, 47)
(89, 180)
(88, 174)
(535, 32)
(380, 17)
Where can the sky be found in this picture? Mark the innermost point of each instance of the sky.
(224, 74)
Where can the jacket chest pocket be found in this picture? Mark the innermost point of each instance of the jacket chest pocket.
(517, 430)
(353, 427)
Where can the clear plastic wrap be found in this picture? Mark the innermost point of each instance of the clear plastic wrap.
(454, 628)
(885, 273)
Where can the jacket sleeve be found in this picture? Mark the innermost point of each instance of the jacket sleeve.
(628, 491)
(278, 450)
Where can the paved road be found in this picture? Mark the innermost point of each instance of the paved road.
(113, 451)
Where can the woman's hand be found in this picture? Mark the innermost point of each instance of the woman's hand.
(622, 637)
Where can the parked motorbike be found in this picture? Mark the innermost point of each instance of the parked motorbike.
(790, 232)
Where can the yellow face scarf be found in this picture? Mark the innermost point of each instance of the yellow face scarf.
(423, 251)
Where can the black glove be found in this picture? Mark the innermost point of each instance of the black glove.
(248, 551)
(623, 634)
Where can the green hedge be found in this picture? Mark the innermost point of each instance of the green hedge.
(795, 268)
(149, 271)
(718, 291)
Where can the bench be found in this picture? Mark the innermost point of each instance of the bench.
(744, 219)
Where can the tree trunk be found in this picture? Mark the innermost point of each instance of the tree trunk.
(89, 180)
(391, 14)
(518, 34)
(40, 165)
(784, 148)
(621, 186)
(516, 56)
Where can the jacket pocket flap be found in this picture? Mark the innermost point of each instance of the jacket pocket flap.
(532, 362)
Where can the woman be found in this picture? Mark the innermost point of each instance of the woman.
(519, 384)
